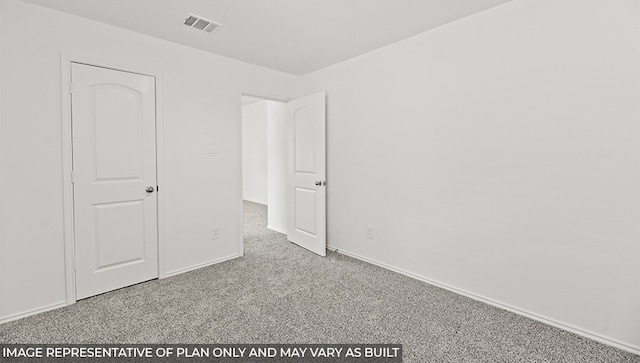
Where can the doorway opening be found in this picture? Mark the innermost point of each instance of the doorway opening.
(264, 160)
(284, 165)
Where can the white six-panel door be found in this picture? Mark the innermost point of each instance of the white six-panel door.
(114, 178)
(307, 173)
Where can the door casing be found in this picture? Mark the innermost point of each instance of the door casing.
(66, 59)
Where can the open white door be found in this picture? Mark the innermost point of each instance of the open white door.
(114, 178)
(307, 173)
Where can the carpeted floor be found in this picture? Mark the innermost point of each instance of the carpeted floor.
(280, 293)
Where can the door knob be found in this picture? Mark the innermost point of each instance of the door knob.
(149, 189)
(319, 183)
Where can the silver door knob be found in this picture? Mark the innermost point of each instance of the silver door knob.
(319, 183)
(149, 189)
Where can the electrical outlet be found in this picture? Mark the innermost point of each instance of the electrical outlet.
(370, 232)
(215, 232)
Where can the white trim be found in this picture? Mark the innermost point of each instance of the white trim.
(35, 311)
(549, 321)
(240, 176)
(67, 186)
(66, 58)
(277, 229)
(201, 265)
(161, 176)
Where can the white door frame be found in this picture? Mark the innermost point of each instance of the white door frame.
(67, 187)
(268, 97)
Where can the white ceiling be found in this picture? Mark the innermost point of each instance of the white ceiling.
(292, 36)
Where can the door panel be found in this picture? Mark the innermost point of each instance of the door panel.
(114, 161)
(304, 155)
(305, 200)
(119, 234)
(306, 197)
(118, 112)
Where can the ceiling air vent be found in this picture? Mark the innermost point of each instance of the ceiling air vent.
(198, 22)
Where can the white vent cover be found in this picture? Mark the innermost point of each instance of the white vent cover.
(195, 21)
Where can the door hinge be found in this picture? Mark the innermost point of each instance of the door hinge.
(70, 87)
(73, 177)
(75, 268)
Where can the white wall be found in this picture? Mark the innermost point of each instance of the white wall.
(498, 155)
(254, 152)
(201, 103)
(277, 165)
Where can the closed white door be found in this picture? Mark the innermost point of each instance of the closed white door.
(307, 173)
(114, 178)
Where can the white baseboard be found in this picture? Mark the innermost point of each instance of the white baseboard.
(277, 229)
(35, 311)
(201, 265)
(549, 321)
